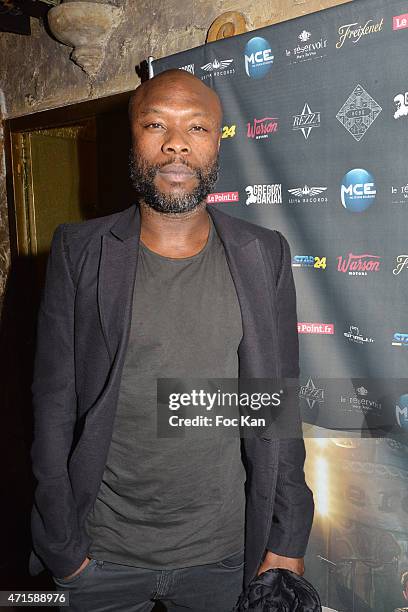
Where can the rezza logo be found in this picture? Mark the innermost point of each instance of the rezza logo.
(358, 190)
(258, 57)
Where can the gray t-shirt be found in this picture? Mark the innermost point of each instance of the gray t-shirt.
(167, 503)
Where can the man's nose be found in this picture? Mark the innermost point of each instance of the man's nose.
(175, 142)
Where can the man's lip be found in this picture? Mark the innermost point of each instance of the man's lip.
(176, 169)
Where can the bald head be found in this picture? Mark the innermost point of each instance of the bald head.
(172, 84)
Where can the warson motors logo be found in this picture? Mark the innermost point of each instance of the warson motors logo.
(358, 113)
(307, 48)
(263, 194)
(262, 128)
(326, 329)
(308, 195)
(358, 265)
(258, 57)
(306, 121)
(225, 197)
(358, 190)
(218, 68)
(355, 31)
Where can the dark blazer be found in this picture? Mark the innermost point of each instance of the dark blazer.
(82, 334)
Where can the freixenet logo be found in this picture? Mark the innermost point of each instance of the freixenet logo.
(316, 328)
(358, 265)
(262, 128)
(221, 197)
(402, 262)
(355, 31)
(399, 22)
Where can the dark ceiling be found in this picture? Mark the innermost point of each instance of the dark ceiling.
(15, 14)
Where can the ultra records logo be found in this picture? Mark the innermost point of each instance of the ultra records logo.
(263, 194)
(354, 335)
(401, 264)
(306, 121)
(401, 105)
(307, 48)
(358, 113)
(188, 68)
(218, 68)
(308, 195)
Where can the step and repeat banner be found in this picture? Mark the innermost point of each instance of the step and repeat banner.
(315, 144)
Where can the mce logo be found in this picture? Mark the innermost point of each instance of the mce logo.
(358, 190)
(258, 57)
(401, 411)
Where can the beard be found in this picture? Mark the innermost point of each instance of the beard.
(142, 176)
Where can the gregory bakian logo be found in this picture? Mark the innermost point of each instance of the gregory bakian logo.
(263, 194)
(258, 57)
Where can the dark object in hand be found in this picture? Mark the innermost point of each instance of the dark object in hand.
(279, 590)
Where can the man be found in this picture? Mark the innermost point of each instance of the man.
(167, 288)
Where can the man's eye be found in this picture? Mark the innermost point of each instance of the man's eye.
(198, 128)
(154, 125)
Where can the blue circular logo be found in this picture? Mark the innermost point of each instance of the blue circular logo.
(258, 57)
(358, 190)
(401, 411)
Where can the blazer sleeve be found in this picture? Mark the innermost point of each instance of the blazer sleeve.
(54, 524)
(294, 505)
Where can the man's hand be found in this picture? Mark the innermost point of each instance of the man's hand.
(81, 567)
(273, 561)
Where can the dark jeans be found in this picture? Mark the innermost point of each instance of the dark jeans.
(103, 586)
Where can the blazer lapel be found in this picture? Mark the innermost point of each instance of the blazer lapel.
(257, 352)
(117, 273)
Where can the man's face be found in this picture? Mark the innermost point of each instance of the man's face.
(176, 136)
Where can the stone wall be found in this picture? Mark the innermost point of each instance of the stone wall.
(37, 74)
